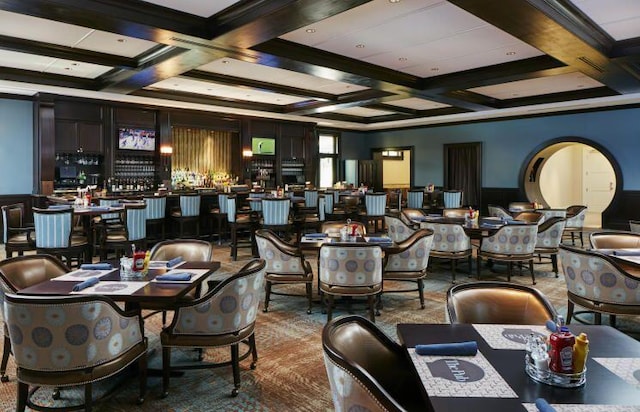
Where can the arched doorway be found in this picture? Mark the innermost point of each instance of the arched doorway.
(569, 171)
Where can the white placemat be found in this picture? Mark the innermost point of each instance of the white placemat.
(509, 336)
(112, 288)
(627, 369)
(315, 239)
(460, 377)
(195, 274)
(572, 407)
(80, 275)
(162, 264)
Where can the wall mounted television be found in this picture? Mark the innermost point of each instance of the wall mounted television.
(137, 139)
(263, 146)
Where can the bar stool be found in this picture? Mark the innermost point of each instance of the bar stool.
(220, 215)
(189, 212)
(240, 222)
(155, 215)
(134, 233)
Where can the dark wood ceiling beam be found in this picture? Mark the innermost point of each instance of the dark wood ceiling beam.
(209, 100)
(574, 95)
(359, 98)
(27, 76)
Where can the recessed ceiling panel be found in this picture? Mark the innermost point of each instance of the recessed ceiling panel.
(363, 112)
(197, 7)
(239, 68)
(44, 64)
(540, 86)
(619, 18)
(416, 103)
(230, 92)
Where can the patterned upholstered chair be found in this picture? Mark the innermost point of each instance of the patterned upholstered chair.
(575, 222)
(187, 213)
(155, 216)
(240, 223)
(350, 270)
(415, 199)
(549, 213)
(377, 379)
(452, 198)
(614, 239)
(15, 235)
(71, 341)
(19, 273)
(54, 235)
(498, 302)
(225, 316)
(375, 207)
(634, 226)
(549, 238)
(408, 261)
(598, 283)
(499, 211)
(397, 229)
(285, 265)
(510, 244)
(450, 242)
(517, 207)
(412, 217)
(133, 233)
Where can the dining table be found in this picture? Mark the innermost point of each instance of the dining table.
(494, 379)
(475, 228)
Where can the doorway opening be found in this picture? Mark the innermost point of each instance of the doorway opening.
(573, 171)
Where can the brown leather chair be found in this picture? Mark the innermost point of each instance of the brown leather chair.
(225, 316)
(16, 235)
(498, 302)
(90, 351)
(614, 240)
(19, 273)
(333, 228)
(530, 217)
(380, 378)
(410, 216)
(455, 213)
(285, 265)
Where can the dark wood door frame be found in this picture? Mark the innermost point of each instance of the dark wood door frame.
(412, 160)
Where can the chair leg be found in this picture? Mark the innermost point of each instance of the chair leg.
(5, 359)
(88, 397)
(166, 369)
(267, 295)
(573, 241)
(533, 276)
(371, 303)
(581, 241)
(453, 270)
(254, 351)
(597, 317)
(612, 321)
(309, 296)
(569, 312)
(478, 264)
(329, 307)
(23, 395)
(142, 376)
(421, 292)
(235, 364)
(554, 263)
(509, 271)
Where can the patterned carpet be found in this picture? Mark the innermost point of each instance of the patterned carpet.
(290, 375)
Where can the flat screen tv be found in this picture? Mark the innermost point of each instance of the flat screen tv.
(137, 139)
(263, 146)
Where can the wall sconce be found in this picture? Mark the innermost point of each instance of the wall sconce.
(247, 153)
(166, 150)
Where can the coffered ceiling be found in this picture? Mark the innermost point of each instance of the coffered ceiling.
(354, 64)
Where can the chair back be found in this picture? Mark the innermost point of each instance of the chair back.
(376, 379)
(448, 237)
(375, 203)
(322, 208)
(452, 198)
(109, 203)
(280, 257)
(53, 227)
(226, 309)
(58, 334)
(350, 265)
(614, 240)
(311, 198)
(408, 216)
(520, 207)
(136, 221)
(549, 213)
(13, 217)
(333, 228)
(499, 303)
(156, 207)
(187, 249)
(23, 271)
(550, 233)
(329, 202)
(456, 212)
(412, 254)
(530, 217)
(634, 226)
(576, 215)
(222, 202)
(256, 205)
(232, 208)
(190, 205)
(512, 240)
(415, 199)
(499, 211)
(397, 229)
(275, 212)
(394, 200)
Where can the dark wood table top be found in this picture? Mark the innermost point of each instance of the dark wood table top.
(316, 245)
(602, 386)
(157, 292)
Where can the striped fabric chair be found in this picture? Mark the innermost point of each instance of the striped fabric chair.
(16, 237)
(275, 216)
(240, 223)
(155, 215)
(311, 198)
(220, 216)
(256, 205)
(134, 233)
(330, 206)
(415, 199)
(452, 198)
(375, 204)
(54, 235)
(189, 212)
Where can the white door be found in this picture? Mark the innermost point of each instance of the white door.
(598, 185)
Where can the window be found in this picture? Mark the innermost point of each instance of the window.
(328, 148)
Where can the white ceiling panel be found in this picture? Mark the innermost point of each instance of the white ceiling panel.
(363, 112)
(46, 64)
(197, 7)
(214, 89)
(416, 103)
(239, 68)
(619, 18)
(540, 86)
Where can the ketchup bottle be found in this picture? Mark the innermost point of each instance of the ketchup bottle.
(561, 352)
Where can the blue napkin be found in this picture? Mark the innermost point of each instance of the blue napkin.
(551, 325)
(316, 235)
(174, 277)
(85, 284)
(626, 252)
(59, 207)
(543, 406)
(171, 263)
(380, 239)
(100, 208)
(469, 348)
(96, 266)
(517, 222)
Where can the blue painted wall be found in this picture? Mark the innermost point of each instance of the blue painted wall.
(506, 144)
(16, 147)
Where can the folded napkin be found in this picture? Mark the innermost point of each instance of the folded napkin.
(96, 266)
(171, 263)
(316, 235)
(380, 240)
(551, 325)
(516, 222)
(100, 208)
(626, 252)
(469, 348)
(58, 207)
(86, 284)
(543, 406)
(174, 277)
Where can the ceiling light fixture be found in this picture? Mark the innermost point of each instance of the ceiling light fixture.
(394, 1)
(360, 46)
(403, 59)
(511, 53)
(121, 40)
(435, 69)
(310, 30)
(225, 62)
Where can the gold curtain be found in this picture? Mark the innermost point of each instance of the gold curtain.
(201, 150)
